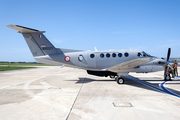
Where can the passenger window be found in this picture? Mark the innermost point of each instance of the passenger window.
(114, 54)
(80, 58)
(107, 55)
(92, 55)
(126, 54)
(120, 54)
(101, 55)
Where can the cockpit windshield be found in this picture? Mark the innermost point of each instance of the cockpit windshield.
(148, 55)
(143, 54)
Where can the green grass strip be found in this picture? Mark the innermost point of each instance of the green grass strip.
(6, 68)
(25, 64)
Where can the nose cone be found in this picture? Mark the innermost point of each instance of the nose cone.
(169, 62)
(163, 62)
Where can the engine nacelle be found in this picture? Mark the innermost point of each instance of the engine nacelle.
(101, 73)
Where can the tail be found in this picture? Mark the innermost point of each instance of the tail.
(37, 42)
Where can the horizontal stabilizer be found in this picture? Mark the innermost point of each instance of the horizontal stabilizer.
(22, 29)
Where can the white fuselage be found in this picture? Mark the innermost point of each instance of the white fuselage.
(101, 60)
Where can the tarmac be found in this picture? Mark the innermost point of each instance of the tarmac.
(55, 93)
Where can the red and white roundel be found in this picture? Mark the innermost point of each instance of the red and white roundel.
(67, 58)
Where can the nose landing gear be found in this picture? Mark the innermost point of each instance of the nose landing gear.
(167, 77)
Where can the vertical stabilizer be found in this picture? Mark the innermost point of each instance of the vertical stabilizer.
(37, 42)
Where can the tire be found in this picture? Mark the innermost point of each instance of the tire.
(120, 80)
(167, 77)
(111, 76)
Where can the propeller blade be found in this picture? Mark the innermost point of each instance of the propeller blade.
(165, 71)
(168, 55)
(167, 62)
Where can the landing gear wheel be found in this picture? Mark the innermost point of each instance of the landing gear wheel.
(112, 76)
(120, 80)
(167, 77)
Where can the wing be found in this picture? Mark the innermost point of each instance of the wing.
(129, 64)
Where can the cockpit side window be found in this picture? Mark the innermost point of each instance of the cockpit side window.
(143, 54)
(139, 54)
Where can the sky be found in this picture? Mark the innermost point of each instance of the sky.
(149, 25)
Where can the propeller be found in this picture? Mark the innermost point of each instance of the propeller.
(166, 67)
(168, 55)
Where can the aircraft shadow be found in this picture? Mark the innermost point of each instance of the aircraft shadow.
(156, 85)
(88, 80)
(131, 82)
(127, 82)
(139, 85)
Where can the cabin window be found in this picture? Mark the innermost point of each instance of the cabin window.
(101, 55)
(120, 54)
(107, 55)
(80, 58)
(126, 54)
(114, 55)
(92, 55)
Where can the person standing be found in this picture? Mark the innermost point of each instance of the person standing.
(175, 68)
(171, 70)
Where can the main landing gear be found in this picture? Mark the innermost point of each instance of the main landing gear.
(119, 80)
(112, 76)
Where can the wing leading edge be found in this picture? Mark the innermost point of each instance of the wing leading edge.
(129, 64)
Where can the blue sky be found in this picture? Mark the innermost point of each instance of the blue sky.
(149, 25)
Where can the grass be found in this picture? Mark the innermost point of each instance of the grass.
(6, 68)
(17, 66)
(24, 64)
